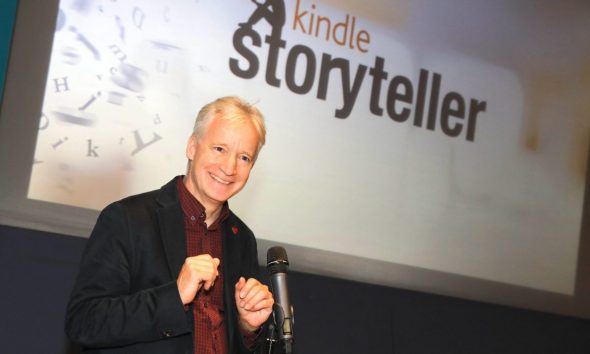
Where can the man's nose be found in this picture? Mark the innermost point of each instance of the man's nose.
(228, 165)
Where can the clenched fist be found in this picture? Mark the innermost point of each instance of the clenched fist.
(196, 272)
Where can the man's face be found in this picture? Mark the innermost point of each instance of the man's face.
(221, 161)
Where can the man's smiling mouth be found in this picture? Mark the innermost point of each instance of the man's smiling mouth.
(220, 180)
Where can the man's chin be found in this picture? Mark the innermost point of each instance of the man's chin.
(222, 193)
(221, 197)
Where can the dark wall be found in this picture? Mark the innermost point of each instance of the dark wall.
(37, 270)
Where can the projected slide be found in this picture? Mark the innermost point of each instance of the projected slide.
(383, 142)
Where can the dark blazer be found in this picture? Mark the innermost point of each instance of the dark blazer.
(125, 298)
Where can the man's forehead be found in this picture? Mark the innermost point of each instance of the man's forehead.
(221, 129)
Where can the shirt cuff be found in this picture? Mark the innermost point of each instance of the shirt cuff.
(250, 338)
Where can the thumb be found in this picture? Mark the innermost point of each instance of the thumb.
(216, 261)
(239, 286)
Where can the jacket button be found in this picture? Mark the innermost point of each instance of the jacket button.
(167, 333)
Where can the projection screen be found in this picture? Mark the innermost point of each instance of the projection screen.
(428, 146)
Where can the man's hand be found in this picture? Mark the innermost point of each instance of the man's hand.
(254, 302)
(196, 272)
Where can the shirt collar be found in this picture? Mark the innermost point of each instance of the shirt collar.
(192, 207)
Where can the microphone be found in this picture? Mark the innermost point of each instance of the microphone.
(277, 264)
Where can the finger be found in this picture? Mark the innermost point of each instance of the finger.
(200, 257)
(212, 275)
(263, 305)
(239, 286)
(258, 299)
(254, 294)
(210, 281)
(250, 283)
(194, 272)
(202, 270)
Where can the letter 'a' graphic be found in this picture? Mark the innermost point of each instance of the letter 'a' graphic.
(273, 11)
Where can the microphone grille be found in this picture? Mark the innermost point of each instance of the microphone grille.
(276, 259)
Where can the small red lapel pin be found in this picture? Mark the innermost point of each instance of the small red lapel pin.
(235, 230)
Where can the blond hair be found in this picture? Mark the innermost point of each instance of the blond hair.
(234, 110)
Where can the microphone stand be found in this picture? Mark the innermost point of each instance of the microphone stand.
(273, 341)
(281, 327)
(287, 327)
(271, 337)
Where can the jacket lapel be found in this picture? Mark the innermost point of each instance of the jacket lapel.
(231, 256)
(171, 224)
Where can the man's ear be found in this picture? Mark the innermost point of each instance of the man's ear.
(191, 147)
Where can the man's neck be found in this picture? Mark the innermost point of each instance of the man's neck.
(212, 210)
(211, 214)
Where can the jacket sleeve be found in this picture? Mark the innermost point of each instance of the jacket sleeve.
(105, 309)
(254, 343)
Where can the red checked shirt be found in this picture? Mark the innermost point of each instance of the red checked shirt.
(209, 331)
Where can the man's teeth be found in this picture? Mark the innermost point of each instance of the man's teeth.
(219, 179)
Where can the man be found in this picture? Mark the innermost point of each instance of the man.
(173, 270)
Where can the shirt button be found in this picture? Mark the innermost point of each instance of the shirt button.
(167, 333)
(202, 216)
(193, 218)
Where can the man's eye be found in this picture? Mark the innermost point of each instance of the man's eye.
(218, 148)
(245, 158)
